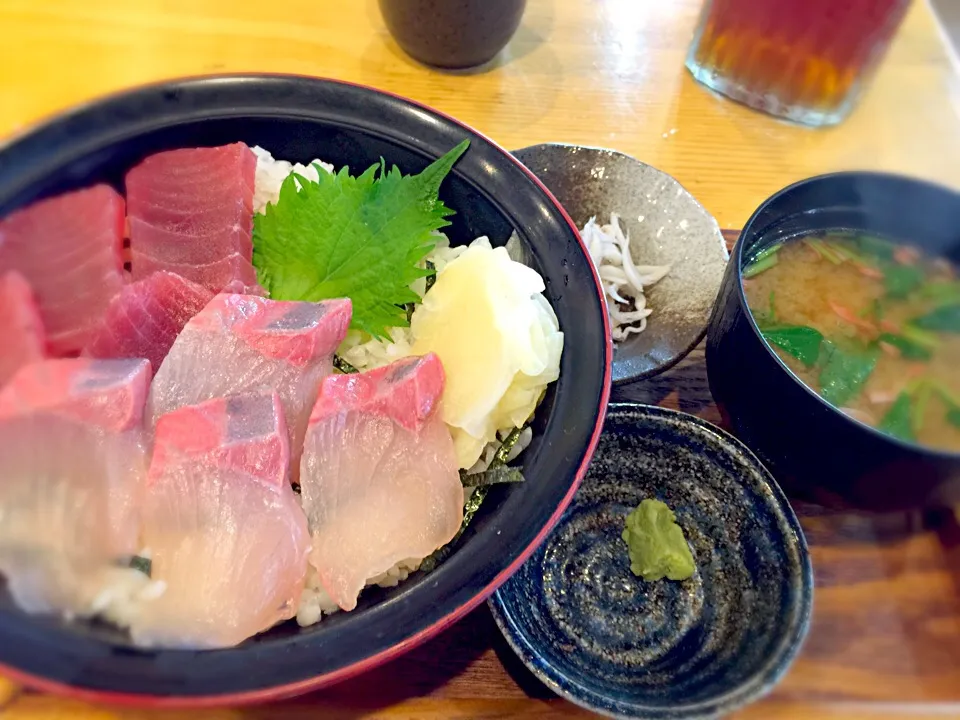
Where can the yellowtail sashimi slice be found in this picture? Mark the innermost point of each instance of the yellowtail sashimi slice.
(241, 343)
(72, 463)
(379, 476)
(227, 537)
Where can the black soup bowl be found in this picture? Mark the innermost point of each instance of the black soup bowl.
(299, 118)
(813, 448)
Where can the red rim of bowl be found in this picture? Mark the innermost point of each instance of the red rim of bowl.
(301, 687)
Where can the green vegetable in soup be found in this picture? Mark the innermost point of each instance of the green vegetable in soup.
(921, 400)
(901, 280)
(942, 293)
(766, 318)
(875, 247)
(951, 401)
(846, 250)
(800, 341)
(945, 318)
(763, 260)
(656, 544)
(845, 371)
(889, 315)
(917, 336)
(873, 311)
(898, 420)
(953, 416)
(758, 266)
(909, 349)
(823, 250)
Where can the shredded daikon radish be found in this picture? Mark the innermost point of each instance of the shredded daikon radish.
(623, 281)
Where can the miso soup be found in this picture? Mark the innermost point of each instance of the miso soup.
(872, 326)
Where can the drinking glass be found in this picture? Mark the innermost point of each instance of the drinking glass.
(804, 60)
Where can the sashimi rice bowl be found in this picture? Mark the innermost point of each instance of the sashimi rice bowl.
(252, 389)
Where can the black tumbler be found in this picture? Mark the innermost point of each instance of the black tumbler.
(452, 34)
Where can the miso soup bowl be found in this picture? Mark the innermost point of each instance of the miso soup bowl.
(814, 449)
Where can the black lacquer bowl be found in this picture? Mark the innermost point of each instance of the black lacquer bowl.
(607, 640)
(813, 448)
(299, 118)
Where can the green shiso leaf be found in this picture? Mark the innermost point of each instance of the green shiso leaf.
(363, 237)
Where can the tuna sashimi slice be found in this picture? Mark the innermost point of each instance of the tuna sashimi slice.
(72, 464)
(69, 248)
(192, 206)
(378, 478)
(21, 326)
(144, 320)
(227, 535)
(220, 275)
(243, 343)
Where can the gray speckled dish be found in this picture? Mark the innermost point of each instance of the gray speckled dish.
(609, 641)
(666, 225)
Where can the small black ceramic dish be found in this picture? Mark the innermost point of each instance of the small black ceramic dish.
(300, 118)
(666, 226)
(607, 640)
(812, 447)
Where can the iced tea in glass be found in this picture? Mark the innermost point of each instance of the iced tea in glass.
(804, 60)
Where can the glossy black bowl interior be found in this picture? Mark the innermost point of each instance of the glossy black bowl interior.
(811, 446)
(300, 119)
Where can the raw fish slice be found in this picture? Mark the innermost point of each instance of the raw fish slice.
(181, 246)
(241, 343)
(192, 206)
(72, 463)
(144, 320)
(238, 287)
(216, 276)
(378, 478)
(227, 535)
(20, 326)
(69, 248)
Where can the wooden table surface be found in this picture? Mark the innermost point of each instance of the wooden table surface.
(885, 640)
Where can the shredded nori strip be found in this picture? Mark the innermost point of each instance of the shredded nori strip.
(469, 510)
(473, 504)
(431, 279)
(491, 476)
(343, 366)
(503, 452)
(144, 565)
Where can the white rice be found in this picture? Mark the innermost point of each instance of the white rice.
(271, 174)
(623, 280)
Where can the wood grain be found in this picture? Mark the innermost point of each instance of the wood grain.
(885, 640)
(596, 72)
